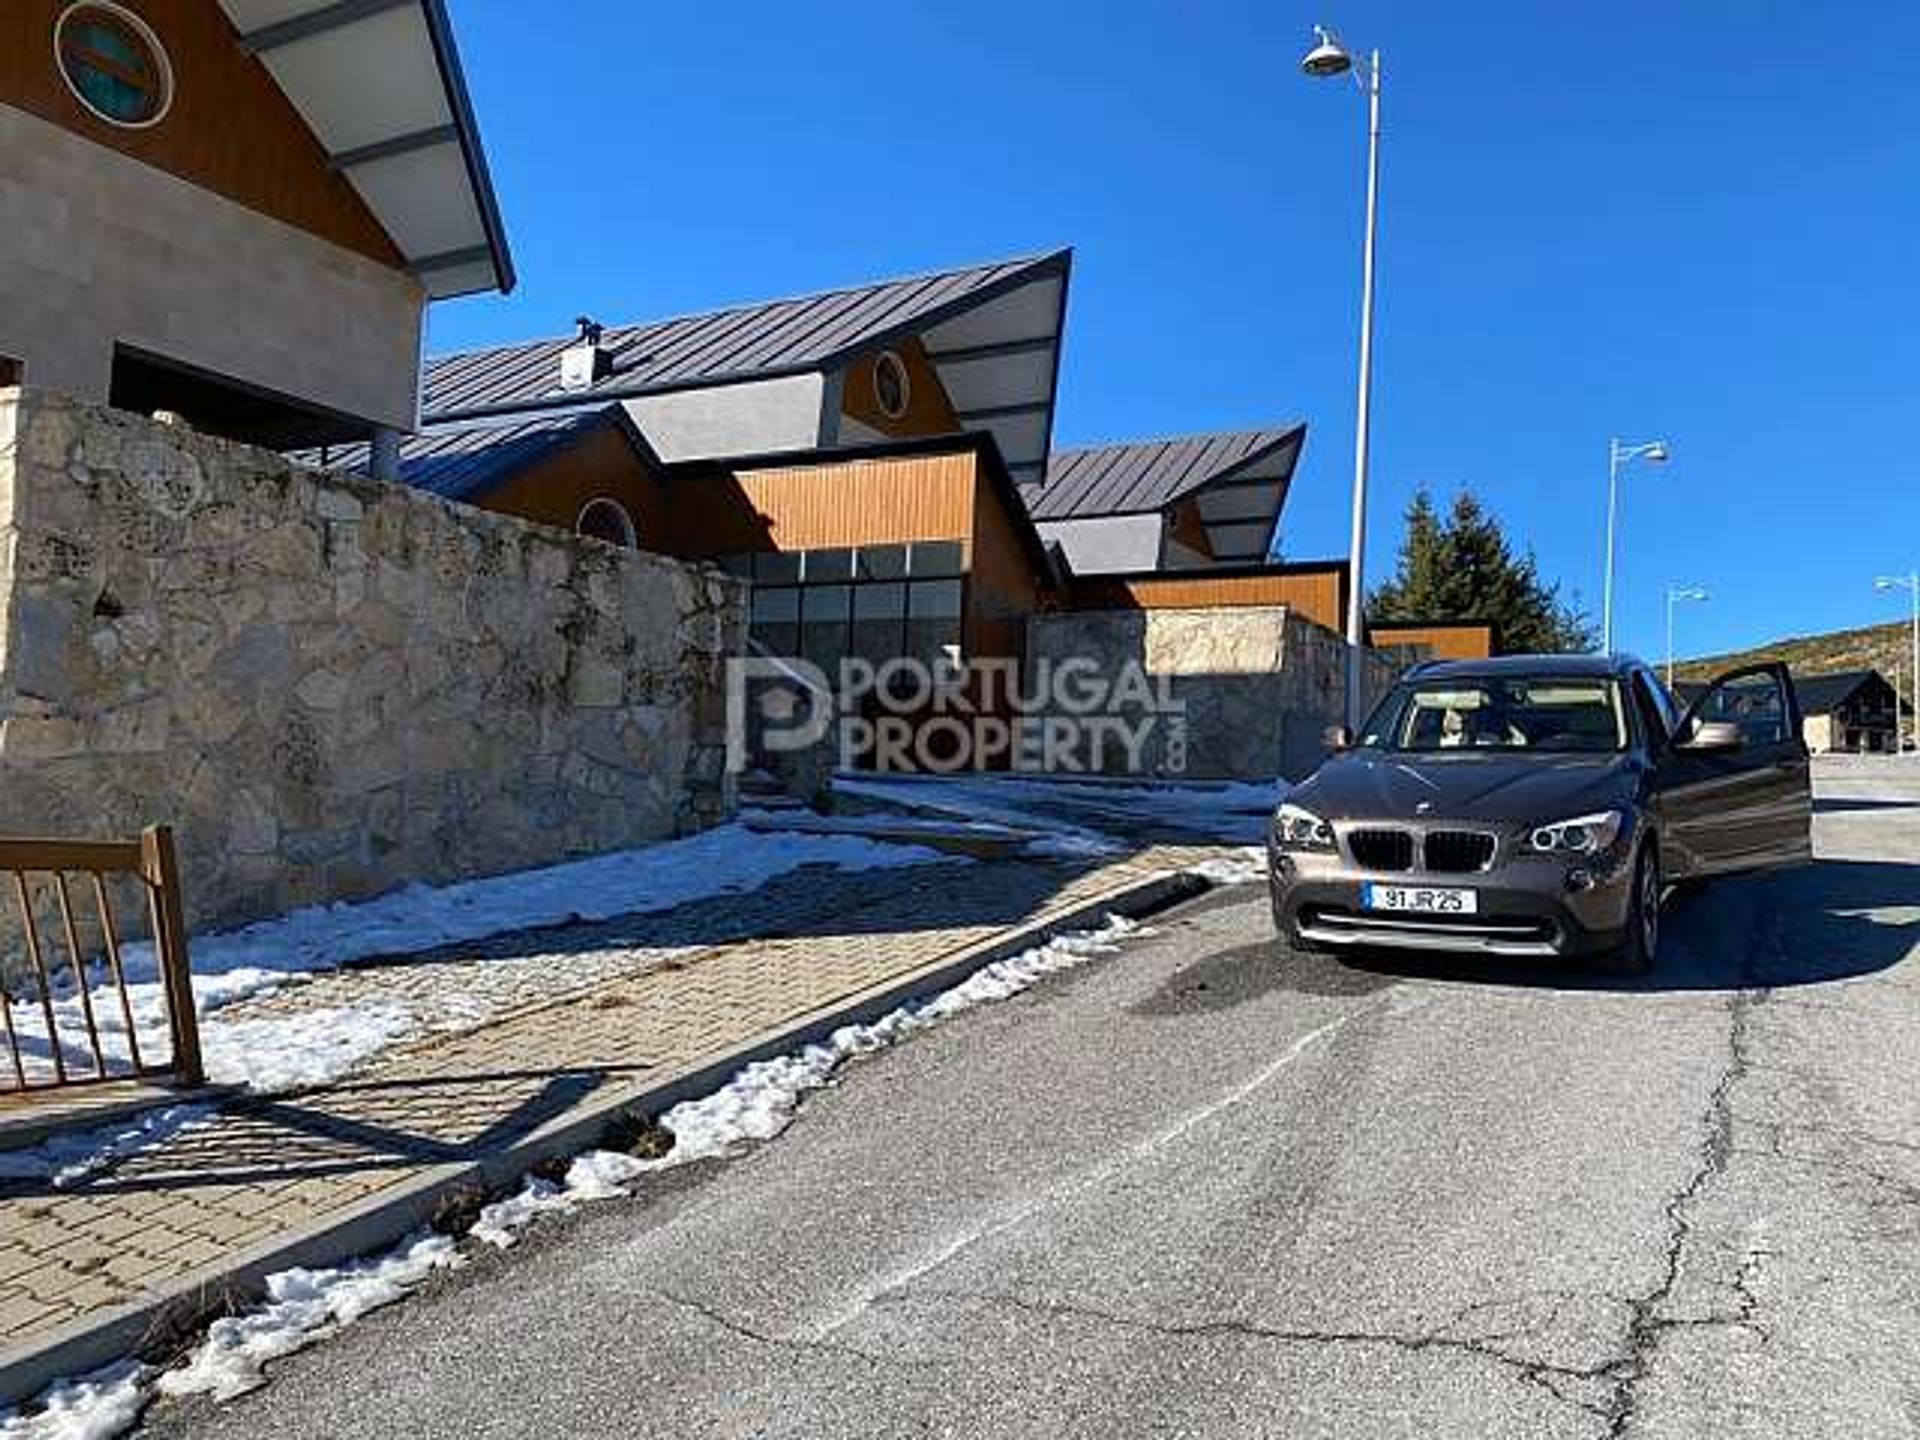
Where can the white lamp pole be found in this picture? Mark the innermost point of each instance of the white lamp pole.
(1676, 593)
(1329, 57)
(1907, 582)
(1619, 456)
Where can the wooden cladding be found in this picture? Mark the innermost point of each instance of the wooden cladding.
(928, 411)
(229, 128)
(1315, 591)
(823, 506)
(1442, 640)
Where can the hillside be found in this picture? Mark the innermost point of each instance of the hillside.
(1886, 648)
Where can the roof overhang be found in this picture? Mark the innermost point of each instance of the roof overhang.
(1240, 508)
(999, 362)
(379, 84)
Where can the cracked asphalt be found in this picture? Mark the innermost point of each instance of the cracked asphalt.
(1207, 1188)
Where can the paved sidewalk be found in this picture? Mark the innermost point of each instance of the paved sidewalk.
(656, 997)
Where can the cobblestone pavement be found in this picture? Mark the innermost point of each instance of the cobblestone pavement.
(516, 1051)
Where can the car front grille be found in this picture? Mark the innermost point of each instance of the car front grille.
(1381, 849)
(1458, 852)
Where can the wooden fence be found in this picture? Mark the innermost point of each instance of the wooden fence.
(55, 1034)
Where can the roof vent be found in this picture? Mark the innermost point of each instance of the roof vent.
(585, 361)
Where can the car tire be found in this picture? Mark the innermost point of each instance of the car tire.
(1639, 950)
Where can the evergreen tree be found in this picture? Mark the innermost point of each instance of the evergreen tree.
(1464, 568)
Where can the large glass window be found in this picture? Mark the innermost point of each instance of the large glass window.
(876, 602)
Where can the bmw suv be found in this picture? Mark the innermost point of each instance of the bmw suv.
(1538, 806)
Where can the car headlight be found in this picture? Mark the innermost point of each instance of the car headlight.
(1298, 829)
(1582, 835)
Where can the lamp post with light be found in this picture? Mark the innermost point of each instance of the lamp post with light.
(1677, 593)
(1907, 582)
(1619, 456)
(1329, 58)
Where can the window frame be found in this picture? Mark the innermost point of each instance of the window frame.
(142, 32)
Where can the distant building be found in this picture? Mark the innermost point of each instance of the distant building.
(236, 211)
(1846, 711)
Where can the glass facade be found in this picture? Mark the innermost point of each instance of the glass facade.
(876, 603)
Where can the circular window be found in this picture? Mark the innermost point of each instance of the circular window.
(890, 386)
(607, 520)
(113, 63)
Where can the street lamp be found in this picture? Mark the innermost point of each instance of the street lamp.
(1619, 456)
(1676, 593)
(1907, 582)
(1327, 59)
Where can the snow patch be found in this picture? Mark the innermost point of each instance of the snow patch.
(70, 1157)
(303, 1306)
(1246, 866)
(93, 1407)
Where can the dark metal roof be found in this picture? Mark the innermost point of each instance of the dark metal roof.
(742, 342)
(1141, 476)
(1819, 694)
(463, 462)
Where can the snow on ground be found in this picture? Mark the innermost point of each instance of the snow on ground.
(68, 1158)
(305, 1306)
(296, 1050)
(1083, 816)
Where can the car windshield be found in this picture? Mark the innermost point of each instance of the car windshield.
(1547, 713)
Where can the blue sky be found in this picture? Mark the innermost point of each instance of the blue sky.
(1693, 221)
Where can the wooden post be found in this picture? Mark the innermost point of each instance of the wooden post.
(161, 868)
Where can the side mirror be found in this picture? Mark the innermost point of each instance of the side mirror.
(1712, 737)
(1337, 737)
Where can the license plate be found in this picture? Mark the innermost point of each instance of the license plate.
(1419, 899)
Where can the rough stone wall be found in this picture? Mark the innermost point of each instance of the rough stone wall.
(331, 686)
(1254, 686)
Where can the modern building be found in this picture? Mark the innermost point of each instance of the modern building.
(877, 459)
(236, 211)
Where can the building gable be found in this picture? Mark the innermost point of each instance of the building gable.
(228, 127)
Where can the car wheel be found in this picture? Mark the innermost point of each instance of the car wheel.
(1640, 947)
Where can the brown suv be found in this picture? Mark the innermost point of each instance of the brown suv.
(1538, 805)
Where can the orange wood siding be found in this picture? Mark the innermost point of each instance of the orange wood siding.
(1316, 591)
(929, 411)
(808, 507)
(554, 491)
(1002, 589)
(229, 129)
(1463, 640)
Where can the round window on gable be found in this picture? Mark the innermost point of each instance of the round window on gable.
(891, 389)
(608, 521)
(113, 63)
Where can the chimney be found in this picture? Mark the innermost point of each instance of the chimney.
(585, 361)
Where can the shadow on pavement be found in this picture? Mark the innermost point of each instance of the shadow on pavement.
(1811, 925)
(1841, 804)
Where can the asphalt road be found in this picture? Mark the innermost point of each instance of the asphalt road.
(1206, 1188)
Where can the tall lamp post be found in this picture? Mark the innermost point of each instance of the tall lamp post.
(1907, 582)
(1329, 58)
(1619, 456)
(1676, 593)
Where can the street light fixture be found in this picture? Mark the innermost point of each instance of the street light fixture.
(1676, 593)
(1620, 455)
(1907, 582)
(1330, 58)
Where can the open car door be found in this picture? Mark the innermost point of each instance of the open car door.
(1736, 784)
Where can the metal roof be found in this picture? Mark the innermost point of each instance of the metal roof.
(462, 462)
(1241, 479)
(379, 84)
(992, 331)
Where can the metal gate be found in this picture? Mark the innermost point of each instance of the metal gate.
(71, 1013)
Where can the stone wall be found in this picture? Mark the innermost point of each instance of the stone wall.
(331, 686)
(1254, 687)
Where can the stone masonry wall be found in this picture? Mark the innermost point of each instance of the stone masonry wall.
(329, 686)
(1255, 687)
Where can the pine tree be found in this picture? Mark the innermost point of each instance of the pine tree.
(1464, 568)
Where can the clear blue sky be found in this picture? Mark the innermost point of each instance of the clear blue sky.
(1696, 221)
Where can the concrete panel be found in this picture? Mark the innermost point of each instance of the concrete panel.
(1109, 544)
(98, 248)
(759, 418)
